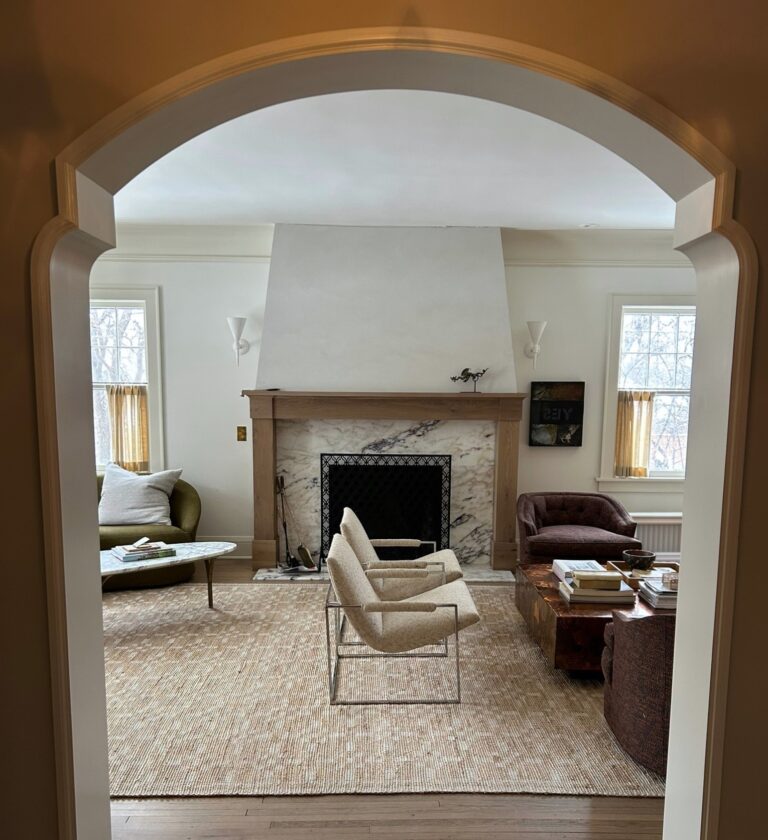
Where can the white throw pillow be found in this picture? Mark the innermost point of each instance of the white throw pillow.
(131, 499)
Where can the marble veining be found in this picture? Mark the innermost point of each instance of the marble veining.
(470, 443)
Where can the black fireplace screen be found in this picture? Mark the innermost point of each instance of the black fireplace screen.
(393, 496)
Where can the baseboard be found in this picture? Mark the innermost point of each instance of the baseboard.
(243, 550)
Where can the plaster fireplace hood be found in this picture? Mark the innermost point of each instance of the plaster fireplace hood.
(385, 309)
(363, 329)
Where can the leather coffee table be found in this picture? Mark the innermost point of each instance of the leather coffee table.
(570, 636)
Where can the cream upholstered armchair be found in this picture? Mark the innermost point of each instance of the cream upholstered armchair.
(405, 628)
(441, 566)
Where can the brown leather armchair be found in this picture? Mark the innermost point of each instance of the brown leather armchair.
(637, 665)
(573, 526)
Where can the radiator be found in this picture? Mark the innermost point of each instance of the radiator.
(659, 532)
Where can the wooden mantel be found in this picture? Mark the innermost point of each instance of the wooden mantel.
(269, 406)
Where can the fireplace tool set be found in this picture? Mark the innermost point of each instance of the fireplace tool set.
(301, 562)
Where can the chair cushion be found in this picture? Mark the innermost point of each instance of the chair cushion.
(579, 541)
(353, 532)
(408, 631)
(131, 499)
(450, 561)
(353, 589)
(392, 589)
(594, 509)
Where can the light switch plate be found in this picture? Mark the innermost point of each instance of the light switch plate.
(242, 433)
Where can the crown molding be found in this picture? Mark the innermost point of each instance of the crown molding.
(591, 248)
(122, 256)
(530, 262)
(521, 248)
(192, 243)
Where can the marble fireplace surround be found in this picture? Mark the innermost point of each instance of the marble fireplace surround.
(503, 410)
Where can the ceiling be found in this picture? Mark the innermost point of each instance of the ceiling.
(394, 157)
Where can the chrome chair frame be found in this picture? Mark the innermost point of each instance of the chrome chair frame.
(335, 654)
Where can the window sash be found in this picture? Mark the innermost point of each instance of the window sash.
(681, 305)
(146, 298)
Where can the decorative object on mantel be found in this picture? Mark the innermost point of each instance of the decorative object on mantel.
(241, 346)
(557, 414)
(467, 374)
(533, 347)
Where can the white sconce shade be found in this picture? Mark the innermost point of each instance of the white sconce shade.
(241, 346)
(533, 348)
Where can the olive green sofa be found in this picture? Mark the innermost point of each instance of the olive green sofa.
(185, 516)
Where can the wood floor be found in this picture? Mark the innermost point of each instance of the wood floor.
(401, 817)
(417, 816)
(226, 570)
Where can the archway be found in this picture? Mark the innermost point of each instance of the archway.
(667, 150)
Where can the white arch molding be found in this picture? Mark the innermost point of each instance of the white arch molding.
(678, 159)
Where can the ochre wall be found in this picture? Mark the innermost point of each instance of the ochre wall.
(66, 63)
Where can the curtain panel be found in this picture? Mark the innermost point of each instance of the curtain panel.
(633, 434)
(129, 426)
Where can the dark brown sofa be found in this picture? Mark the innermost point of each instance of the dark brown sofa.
(185, 516)
(573, 526)
(637, 665)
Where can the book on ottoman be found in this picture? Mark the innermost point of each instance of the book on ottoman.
(564, 569)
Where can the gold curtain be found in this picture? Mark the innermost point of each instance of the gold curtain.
(129, 426)
(633, 433)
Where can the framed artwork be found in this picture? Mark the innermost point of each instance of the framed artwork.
(557, 414)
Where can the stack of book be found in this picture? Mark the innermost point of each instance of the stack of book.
(659, 596)
(591, 584)
(145, 551)
(564, 569)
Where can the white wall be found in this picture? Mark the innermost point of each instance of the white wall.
(204, 275)
(385, 309)
(575, 300)
(201, 383)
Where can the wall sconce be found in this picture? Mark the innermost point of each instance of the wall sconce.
(533, 347)
(241, 346)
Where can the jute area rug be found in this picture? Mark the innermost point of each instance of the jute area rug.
(234, 701)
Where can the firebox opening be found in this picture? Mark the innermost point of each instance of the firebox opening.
(394, 496)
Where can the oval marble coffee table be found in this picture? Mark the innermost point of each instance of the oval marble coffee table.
(185, 553)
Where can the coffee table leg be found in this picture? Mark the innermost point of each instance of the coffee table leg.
(209, 561)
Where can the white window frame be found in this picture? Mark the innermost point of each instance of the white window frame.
(149, 297)
(607, 481)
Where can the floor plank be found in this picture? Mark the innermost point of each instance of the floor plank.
(226, 570)
(397, 817)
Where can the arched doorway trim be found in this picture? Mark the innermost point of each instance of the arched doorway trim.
(103, 159)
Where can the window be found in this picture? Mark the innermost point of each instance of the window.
(655, 359)
(647, 401)
(125, 374)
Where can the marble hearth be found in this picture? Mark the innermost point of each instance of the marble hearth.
(299, 444)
